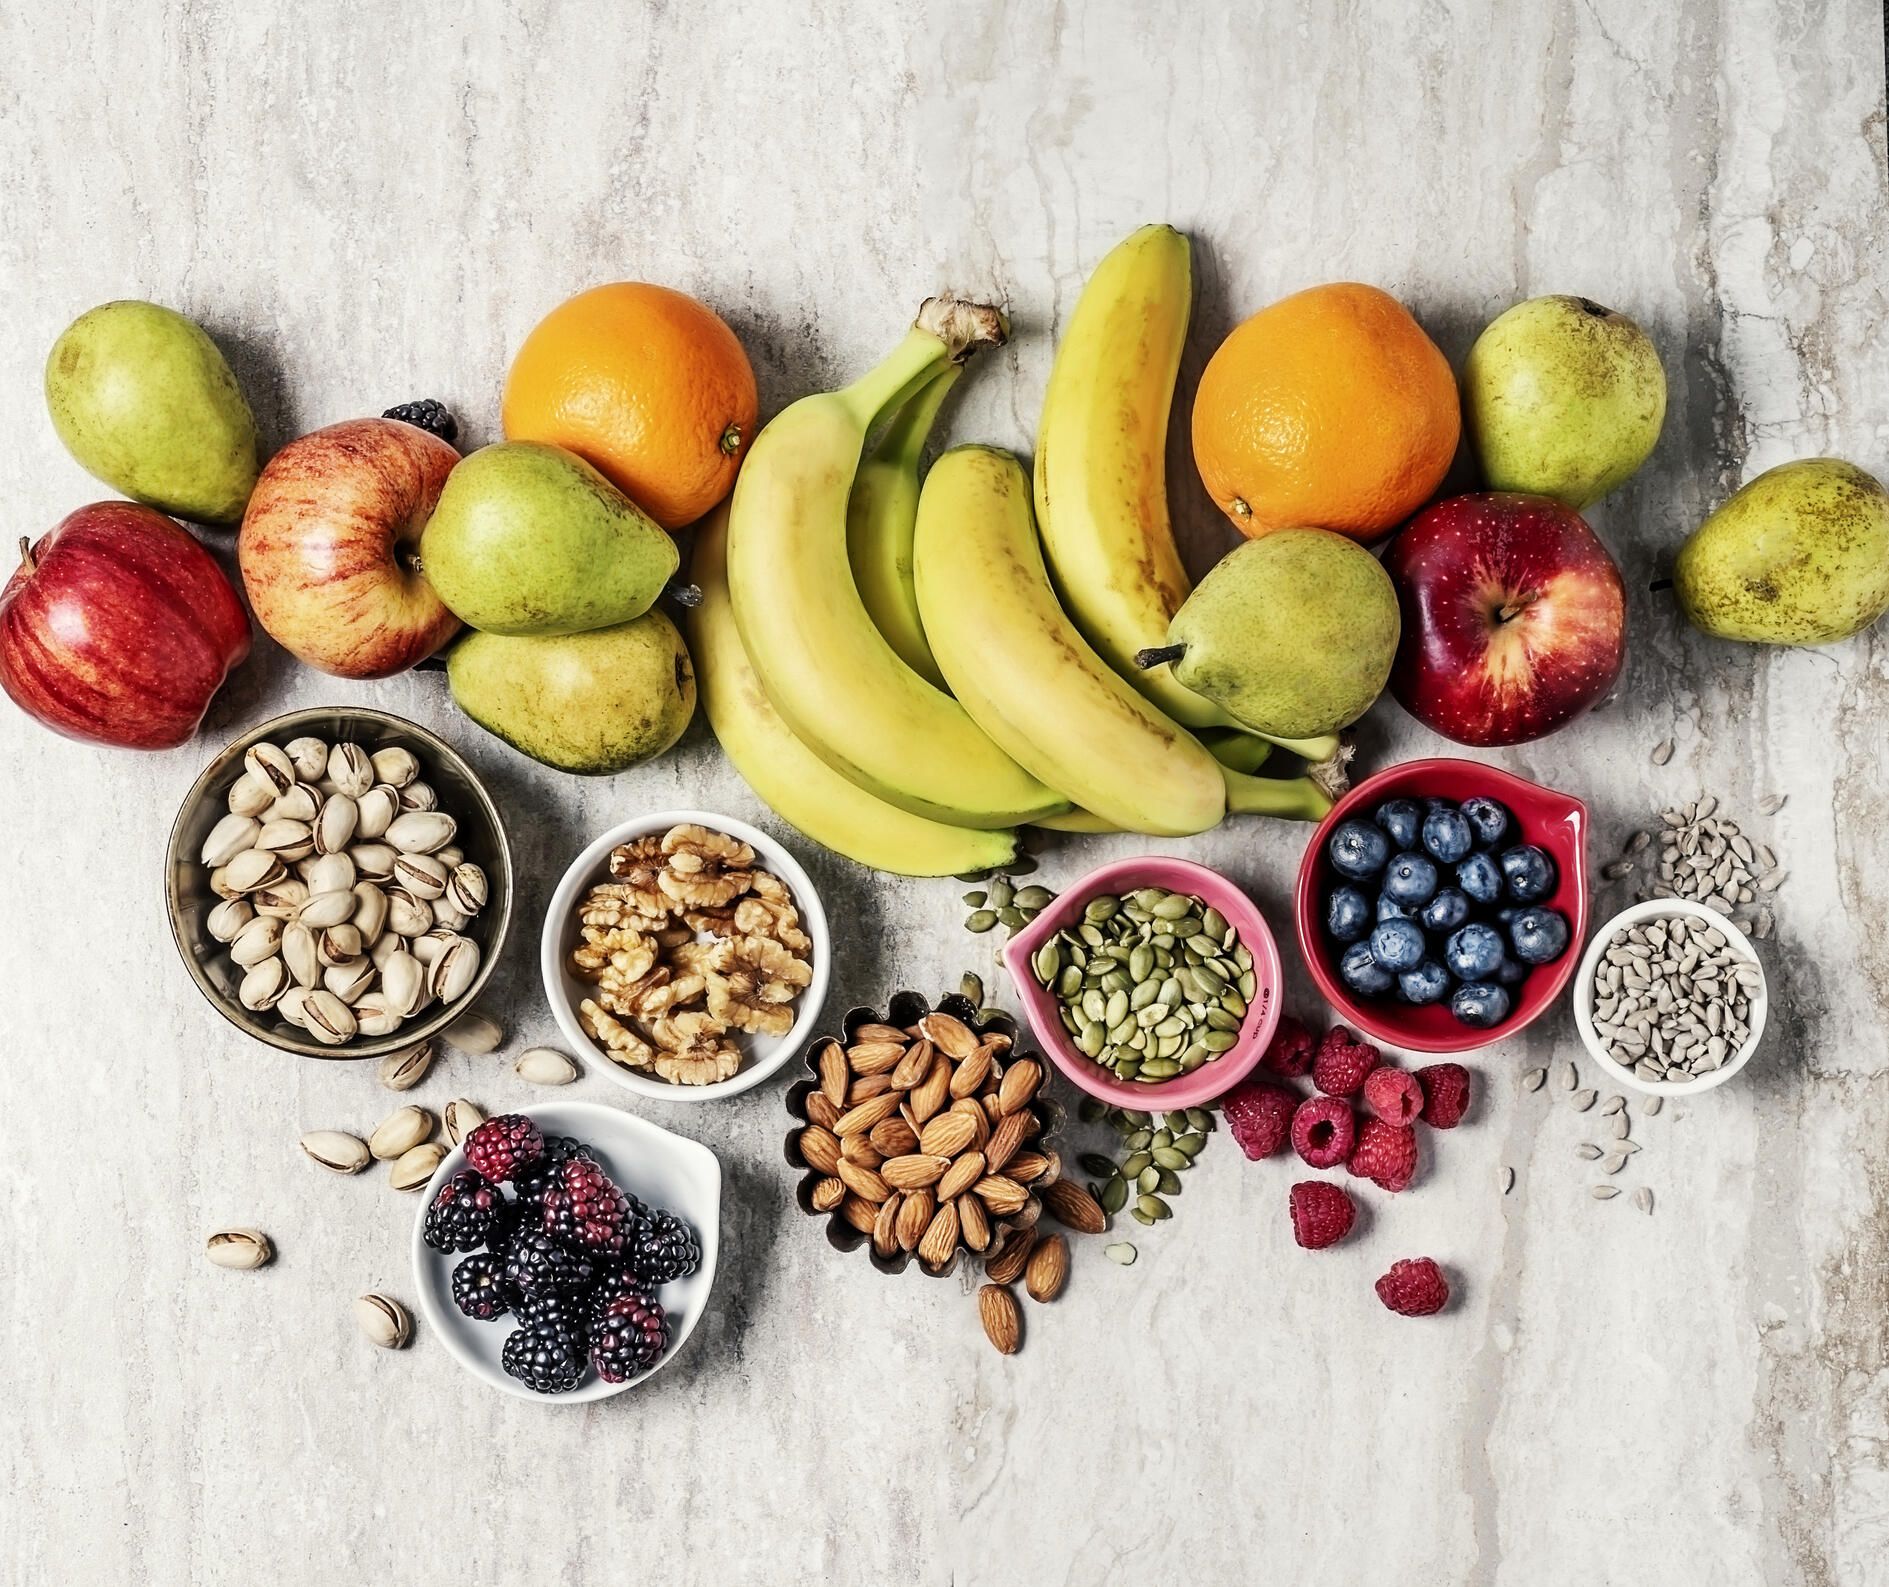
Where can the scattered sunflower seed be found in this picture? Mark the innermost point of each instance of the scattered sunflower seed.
(1643, 1199)
(1638, 842)
(1588, 1150)
(1570, 1077)
(1617, 870)
(1619, 1127)
(1652, 1105)
(1770, 804)
(1613, 1105)
(1583, 1100)
(1662, 752)
(1534, 1079)
(1604, 1192)
(1121, 1252)
(1613, 1162)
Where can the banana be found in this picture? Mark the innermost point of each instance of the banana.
(1101, 469)
(840, 688)
(1034, 684)
(879, 519)
(802, 789)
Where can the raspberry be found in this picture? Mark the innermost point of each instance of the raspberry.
(583, 1209)
(1259, 1117)
(1342, 1063)
(1414, 1288)
(1445, 1095)
(1392, 1095)
(1322, 1129)
(500, 1147)
(1290, 1051)
(1321, 1213)
(1385, 1154)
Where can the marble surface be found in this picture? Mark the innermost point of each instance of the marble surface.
(367, 204)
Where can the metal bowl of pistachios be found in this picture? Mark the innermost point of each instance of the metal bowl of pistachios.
(339, 883)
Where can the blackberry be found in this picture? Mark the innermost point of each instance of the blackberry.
(500, 1147)
(612, 1283)
(463, 1212)
(546, 1357)
(663, 1248)
(584, 1210)
(427, 415)
(628, 1337)
(532, 1182)
(535, 1264)
(569, 1309)
(507, 1220)
(480, 1290)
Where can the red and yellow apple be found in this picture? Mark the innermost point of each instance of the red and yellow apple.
(1514, 618)
(118, 628)
(330, 547)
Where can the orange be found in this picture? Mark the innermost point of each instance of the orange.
(1330, 409)
(648, 386)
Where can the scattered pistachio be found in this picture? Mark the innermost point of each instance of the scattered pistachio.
(239, 1249)
(398, 1133)
(545, 1066)
(384, 1320)
(415, 1167)
(474, 1032)
(462, 1118)
(337, 1151)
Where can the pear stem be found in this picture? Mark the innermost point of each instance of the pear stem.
(1159, 655)
(29, 564)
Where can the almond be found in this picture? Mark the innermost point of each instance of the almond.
(1019, 1084)
(914, 1066)
(865, 1087)
(1007, 1266)
(822, 1110)
(973, 1223)
(913, 1172)
(988, 1102)
(1003, 1196)
(947, 1135)
(1005, 1139)
(1072, 1206)
(828, 1194)
(1026, 1168)
(930, 1093)
(940, 1240)
(874, 1057)
(819, 1148)
(859, 1149)
(864, 1182)
(858, 1120)
(949, 1035)
(1003, 1323)
(877, 1032)
(893, 1137)
(833, 1076)
(885, 1238)
(862, 1215)
(915, 1214)
(980, 1126)
(961, 1175)
(1047, 1269)
(971, 1073)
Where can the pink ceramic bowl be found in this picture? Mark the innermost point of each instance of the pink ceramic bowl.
(1177, 876)
(1553, 821)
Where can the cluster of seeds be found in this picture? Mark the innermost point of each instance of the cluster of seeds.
(1614, 1153)
(1003, 903)
(1154, 1155)
(1672, 998)
(1151, 985)
(1706, 857)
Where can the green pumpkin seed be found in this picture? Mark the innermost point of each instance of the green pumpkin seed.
(1234, 1003)
(1200, 1119)
(1100, 909)
(1215, 921)
(1091, 935)
(1248, 982)
(1095, 1163)
(1243, 957)
(1136, 1161)
(1002, 894)
(1219, 1019)
(1090, 1111)
(1048, 962)
(1117, 1009)
(1093, 1004)
(1013, 918)
(1116, 984)
(1190, 1144)
(972, 986)
(1091, 1039)
(1171, 1157)
(1138, 1140)
(1170, 1027)
(1129, 1068)
(1193, 1055)
(981, 921)
(1160, 1069)
(1144, 992)
(986, 1014)
(1114, 1195)
(976, 898)
(1137, 1118)
(1154, 1208)
(1169, 1183)
(1139, 1216)
(1218, 1041)
(1148, 1179)
(1172, 994)
(1068, 981)
(1034, 897)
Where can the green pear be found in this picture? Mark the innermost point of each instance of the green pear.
(1800, 556)
(144, 401)
(1293, 633)
(530, 539)
(1563, 398)
(596, 702)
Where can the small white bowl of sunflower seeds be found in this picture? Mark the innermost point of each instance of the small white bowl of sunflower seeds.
(1670, 998)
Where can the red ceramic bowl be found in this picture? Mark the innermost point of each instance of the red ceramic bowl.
(1177, 876)
(1551, 820)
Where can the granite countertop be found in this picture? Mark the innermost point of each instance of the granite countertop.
(367, 205)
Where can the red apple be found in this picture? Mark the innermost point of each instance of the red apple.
(1514, 618)
(330, 547)
(118, 627)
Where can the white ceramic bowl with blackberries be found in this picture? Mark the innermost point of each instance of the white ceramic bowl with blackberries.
(564, 1247)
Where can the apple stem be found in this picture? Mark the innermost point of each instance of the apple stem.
(28, 564)
(1159, 655)
(1511, 610)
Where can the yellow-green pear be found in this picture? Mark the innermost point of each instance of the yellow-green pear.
(1800, 556)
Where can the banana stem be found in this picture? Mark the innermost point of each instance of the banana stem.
(1236, 747)
(1289, 798)
(882, 388)
(906, 433)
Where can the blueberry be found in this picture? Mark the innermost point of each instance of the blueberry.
(1446, 835)
(1358, 850)
(1398, 944)
(1445, 912)
(1402, 819)
(1479, 1004)
(1389, 909)
(1410, 881)
(1529, 873)
(1510, 972)
(1363, 974)
(1540, 935)
(1488, 818)
(1480, 877)
(1473, 953)
(1347, 915)
(1428, 983)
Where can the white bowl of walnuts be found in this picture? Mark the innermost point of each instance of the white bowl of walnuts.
(686, 956)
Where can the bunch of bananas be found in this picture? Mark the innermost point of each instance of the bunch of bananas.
(908, 677)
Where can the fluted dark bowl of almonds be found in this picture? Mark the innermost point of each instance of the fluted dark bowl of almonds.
(339, 883)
